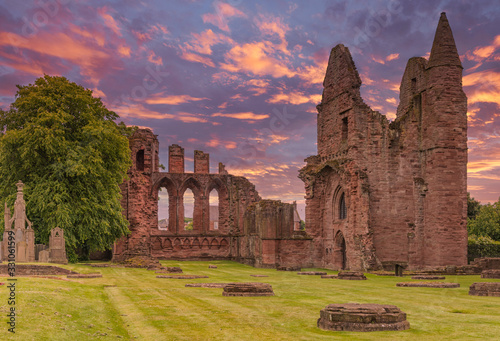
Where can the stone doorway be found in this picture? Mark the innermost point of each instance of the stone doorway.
(339, 252)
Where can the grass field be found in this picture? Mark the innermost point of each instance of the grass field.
(132, 304)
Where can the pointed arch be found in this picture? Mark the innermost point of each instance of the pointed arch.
(220, 208)
(340, 251)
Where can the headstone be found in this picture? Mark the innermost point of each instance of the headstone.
(43, 256)
(21, 251)
(57, 246)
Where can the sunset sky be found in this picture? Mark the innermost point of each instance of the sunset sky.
(240, 80)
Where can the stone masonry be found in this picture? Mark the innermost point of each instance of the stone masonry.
(380, 193)
(251, 231)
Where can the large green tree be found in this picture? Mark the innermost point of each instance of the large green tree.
(66, 147)
(487, 222)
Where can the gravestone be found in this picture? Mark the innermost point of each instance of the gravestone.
(21, 251)
(43, 256)
(57, 246)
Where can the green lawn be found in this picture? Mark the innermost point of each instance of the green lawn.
(132, 304)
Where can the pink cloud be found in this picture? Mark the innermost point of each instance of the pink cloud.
(223, 13)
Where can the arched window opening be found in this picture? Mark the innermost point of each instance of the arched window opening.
(213, 211)
(188, 209)
(163, 209)
(345, 128)
(342, 207)
(139, 160)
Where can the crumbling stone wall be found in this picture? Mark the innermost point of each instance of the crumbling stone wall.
(233, 239)
(381, 193)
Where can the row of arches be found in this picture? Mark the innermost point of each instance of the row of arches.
(191, 207)
(207, 243)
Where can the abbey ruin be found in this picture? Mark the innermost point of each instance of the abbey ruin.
(378, 193)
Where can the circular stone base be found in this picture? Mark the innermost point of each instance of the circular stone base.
(248, 289)
(362, 318)
(428, 284)
(485, 289)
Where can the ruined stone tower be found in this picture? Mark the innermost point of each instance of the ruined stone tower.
(382, 193)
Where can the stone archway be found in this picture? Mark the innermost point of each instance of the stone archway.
(339, 252)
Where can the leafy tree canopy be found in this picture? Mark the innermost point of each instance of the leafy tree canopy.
(487, 222)
(473, 207)
(72, 156)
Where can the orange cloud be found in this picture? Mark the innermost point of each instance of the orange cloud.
(137, 110)
(153, 58)
(242, 115)
(215, 142)
(482, 86)
(269, 25)
(192, 57)
(173, 99)
(223, 12)
(109, 21)
(484, 52)
(255, 58)
(391, 100)
(203, 42)
(295, 98)
(62, 46)
(392, 57)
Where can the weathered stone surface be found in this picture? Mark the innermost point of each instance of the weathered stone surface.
(428, 284)
(206, 285)
(181, 276)
(487, 263)
(246, 229)
(212, 266)
(313, 273)
(248, 289)
(330, 276)
(57, 246)
(351, 275)
(490, 274)
(35, 270)
(92, 275)
(427, 277)
(43, 256)
(362, 318)
(376, 189)
(21, 226)
(485, 289)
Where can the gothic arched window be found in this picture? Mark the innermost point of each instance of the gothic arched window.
(342, 207)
